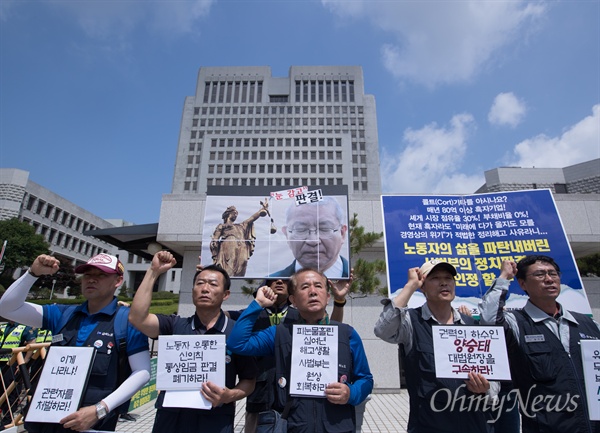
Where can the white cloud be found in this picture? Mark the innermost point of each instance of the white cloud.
(507, 109)
(578, 143)
(431, 160)
(117, 19)
(438, 42)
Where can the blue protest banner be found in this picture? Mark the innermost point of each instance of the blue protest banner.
(475, 233)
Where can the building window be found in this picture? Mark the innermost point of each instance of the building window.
(278, 98)
(560, 188)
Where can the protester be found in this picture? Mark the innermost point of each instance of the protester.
(211, 289)
(308, 290)
(263, 396)
(543, 341)
(96, 322)
(432, 411)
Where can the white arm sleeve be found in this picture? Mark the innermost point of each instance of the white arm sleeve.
(14, 307)
(140, 374)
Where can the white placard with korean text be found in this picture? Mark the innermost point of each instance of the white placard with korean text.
(185, 362)
(62, 383)
(314, 359)
(460, 350)
(590, 354)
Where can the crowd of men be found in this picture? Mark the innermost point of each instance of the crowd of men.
(543, 342)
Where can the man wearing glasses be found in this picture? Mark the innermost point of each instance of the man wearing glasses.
(544, 351)
(315, 233)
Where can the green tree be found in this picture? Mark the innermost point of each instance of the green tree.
(65, 277)
(589, 266)
(124, 290)
(366, 272)
(22, 246)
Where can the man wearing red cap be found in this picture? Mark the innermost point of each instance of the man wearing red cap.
(115, 374)
(412, 328)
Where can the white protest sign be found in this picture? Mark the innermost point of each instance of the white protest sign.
(460, 350)
(61, 384)
(590, 354)
(314, 359)
(185, 362)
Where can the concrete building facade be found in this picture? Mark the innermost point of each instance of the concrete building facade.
(63, 225)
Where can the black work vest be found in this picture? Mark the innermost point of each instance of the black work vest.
(431, 398)
(104, 376)
(185, 326)
(540, 366)
(313, 415)
(263, 396)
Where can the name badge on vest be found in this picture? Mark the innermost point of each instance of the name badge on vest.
(57, 338)
(536, 338)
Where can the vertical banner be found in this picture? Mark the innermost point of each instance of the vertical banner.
(273, 235)
(314, 359)
(475, 233)
(62, 383)
(460, 350)
(590, 353)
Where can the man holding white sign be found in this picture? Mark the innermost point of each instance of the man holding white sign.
(333, 410)
(436, 404)
(211, 289)
(122, 361)
(543, 341)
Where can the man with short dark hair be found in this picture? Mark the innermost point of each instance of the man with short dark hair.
(211, 289)
(308, 290)
(431, 411)
(91, 324)
(544, 351)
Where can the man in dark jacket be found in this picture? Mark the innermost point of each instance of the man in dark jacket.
(335, 413)
(544, 350)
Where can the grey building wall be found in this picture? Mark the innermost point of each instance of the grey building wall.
(582, 178)
(62, 224)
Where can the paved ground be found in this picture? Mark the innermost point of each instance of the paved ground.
(384, 413)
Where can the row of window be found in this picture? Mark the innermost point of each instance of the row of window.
(272, 168)
(288, 109)
(269, 156)
(324, 90)
(232, 91)
(358, 185)
(278, 121)
(64, 240)
(193, 185)
(272, 142)
(353, 133)
(279, 154)
(252, 91)
(56, 214)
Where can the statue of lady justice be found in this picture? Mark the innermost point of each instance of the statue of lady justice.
(232, 243)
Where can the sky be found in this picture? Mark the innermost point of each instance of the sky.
(92, 92)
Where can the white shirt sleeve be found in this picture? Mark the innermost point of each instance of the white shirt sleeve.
(140, 374)
(14, 307)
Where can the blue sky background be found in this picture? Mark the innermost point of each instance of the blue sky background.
(91, 92)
